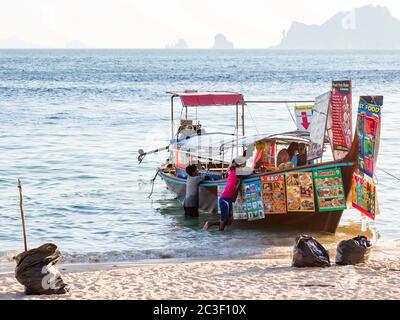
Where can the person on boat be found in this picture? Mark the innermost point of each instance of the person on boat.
(283, 160)
(191, 202)
(302, 156)
(293, 151)
(228, 196)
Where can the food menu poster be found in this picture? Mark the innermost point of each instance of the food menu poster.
(368, 133)
(274, 195)
(300, 192)
(252, 194)
(364, 194)
(329, 189)
(341, 115)
(239, 206)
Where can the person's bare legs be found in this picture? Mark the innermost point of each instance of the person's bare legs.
(210, 224)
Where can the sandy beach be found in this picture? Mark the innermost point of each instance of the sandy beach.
(269, 278)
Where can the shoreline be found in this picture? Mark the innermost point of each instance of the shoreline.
(271, 277)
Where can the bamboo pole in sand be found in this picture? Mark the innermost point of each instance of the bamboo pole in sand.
(22, 213)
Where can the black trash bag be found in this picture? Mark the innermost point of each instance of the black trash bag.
(353, 251)
(37, 272)
(308, 252)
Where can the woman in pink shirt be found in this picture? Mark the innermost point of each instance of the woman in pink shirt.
(228, 196)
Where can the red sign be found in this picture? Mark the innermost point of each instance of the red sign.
(341, 115)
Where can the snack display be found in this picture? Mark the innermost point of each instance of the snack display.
(329, 189)
(363, 194)
(300, 192)
(274, 195)
(253, 198)
(368, 133)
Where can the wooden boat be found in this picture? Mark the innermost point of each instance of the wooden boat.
(189, 133)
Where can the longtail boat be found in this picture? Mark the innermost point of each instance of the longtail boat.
(310, 196)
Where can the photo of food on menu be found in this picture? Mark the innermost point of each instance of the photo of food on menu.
(329, 189)
(300, 192)
(274, 195)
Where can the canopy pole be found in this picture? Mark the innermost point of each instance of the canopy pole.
(21, 206)
(172, 117)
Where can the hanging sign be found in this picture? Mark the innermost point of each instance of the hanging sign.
(329, 189)
(318, 126)
(364, 194)
(300, 192)
(253, 197)
(304, 116)
(274, 195)
(368, 133)
(341, 114)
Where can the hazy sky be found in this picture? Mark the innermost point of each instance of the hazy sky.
(155, 23)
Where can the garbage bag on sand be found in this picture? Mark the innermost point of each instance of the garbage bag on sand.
(353, 251)
(37, 272)
(308, 252)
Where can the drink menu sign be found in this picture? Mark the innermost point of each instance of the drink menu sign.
(329, 189)
(318, 126)
(341, 115)
(368, 133)
(304, 116)
(300, 192)
(253, 197)
(364, 194)
(274, 195)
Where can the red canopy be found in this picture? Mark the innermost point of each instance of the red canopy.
(195, 99)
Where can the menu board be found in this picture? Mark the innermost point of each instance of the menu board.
(304, 115)
(253, 196)
(274, 195)
(341, 115)
(238, 207)
(318, 126)
(364, 194)
(300, 192)
(368, 133)
(329, 189)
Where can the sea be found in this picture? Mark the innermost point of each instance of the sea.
(72, 122)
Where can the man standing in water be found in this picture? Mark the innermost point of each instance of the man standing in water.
(191, 202)
(228, 196)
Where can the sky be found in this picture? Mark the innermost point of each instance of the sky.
(156, 23)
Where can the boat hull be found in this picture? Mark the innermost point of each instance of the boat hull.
(208, 202)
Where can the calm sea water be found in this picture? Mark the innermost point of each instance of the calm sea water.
(73, 120)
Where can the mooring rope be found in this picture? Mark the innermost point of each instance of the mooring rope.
(389, 174)
(152, 183)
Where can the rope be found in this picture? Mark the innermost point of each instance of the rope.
(294, 121)
(152, 184)
(252, 119)
(389, 174)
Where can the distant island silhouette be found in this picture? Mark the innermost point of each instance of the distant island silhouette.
(367, 27)
(181, 44)
(220, 42)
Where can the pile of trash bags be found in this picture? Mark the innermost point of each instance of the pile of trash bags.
(36, 271)
(308, 252)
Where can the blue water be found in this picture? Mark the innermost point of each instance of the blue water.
(73, 120)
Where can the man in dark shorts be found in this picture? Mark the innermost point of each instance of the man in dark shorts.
(191, 202)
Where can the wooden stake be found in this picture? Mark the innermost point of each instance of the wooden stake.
(22, 213)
